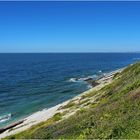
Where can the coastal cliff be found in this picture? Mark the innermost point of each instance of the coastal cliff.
(109, 110)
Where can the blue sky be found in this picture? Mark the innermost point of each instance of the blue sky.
(69, 26)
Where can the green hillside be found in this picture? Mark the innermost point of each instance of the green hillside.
(114, 114)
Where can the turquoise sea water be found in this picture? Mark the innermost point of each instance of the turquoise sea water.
(32, 82)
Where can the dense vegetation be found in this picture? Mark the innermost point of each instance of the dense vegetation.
(114, 114)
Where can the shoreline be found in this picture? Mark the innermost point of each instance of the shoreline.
(45, 114)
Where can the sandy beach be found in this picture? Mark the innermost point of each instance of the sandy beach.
(45, 114)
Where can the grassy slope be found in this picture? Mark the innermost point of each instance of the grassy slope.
(114, 114)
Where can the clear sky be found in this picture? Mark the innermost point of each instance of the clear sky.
(69, 26)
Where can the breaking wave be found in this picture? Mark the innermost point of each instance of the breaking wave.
(72, 80)
(100, 71)
(5, 118)
(83, 79)
(89, 86)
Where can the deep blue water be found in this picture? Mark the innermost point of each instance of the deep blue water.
(32, 82)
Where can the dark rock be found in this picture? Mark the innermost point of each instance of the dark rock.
(76, 79)
(10, 126)
(92, 82)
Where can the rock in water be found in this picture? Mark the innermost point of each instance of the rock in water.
(92, 82)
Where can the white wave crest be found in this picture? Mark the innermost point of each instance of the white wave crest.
(82, 79)
(77, 79)
(5, 118)
(73, 80)
(89, 86)
(100, 71)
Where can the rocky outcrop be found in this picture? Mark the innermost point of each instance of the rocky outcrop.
(92, 82)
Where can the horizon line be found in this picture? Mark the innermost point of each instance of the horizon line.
(65, 52)
(69, 0)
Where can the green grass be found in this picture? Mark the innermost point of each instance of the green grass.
(69, 105)
(114, 115)
(57, 116)
(88, 95)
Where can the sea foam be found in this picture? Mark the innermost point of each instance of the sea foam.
(5, 118)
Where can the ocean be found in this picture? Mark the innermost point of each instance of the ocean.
(32, 82)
